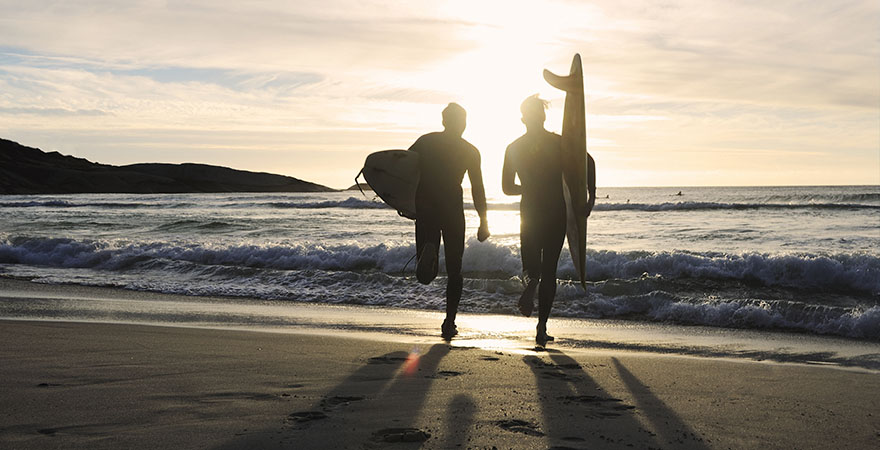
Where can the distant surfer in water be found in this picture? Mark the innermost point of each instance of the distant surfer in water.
(537, 158)
(444, 157)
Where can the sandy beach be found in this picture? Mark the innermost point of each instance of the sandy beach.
(249, 225)
(104, 385)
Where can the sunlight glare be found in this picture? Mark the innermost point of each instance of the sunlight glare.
(515, 42)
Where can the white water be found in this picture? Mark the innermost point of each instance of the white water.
(797, 258)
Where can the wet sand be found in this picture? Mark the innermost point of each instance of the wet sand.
(92, 385)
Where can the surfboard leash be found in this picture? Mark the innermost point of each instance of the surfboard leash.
(358, 184)
(403, 272)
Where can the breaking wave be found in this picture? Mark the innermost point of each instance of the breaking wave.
(643, 285)
(830, 273)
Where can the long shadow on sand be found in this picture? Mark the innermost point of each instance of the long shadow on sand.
(672, 431)
(459, 418)
(367, 382)
(577, 412)
(376, 405)
(401, 404)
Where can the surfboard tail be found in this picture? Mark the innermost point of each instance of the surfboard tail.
(573, 82)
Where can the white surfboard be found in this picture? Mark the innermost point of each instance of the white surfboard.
(394, 177)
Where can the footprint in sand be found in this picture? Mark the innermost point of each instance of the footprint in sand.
(401, 435)
(559, 376)
(386, 360)
(338, 401)
(603, 406)
(570, 366)
(306, 416)
(541, 364)
(444, 374)
(519, 426)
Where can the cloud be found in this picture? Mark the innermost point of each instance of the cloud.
(768, 53)
(310, 78)
(52, 112)
(248, 36)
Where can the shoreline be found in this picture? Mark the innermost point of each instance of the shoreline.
(65, 303)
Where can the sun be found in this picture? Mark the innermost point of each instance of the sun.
(490, 83)
(513, 42)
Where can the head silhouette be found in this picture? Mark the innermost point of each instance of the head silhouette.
(532, 109)
(454, 119)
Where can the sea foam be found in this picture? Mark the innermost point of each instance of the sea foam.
(831, 273)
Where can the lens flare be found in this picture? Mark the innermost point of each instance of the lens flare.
(411, 365)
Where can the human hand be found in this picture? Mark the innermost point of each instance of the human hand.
(588, 208)
(483, 231)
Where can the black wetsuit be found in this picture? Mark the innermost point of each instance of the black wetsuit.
(443, 160)
(537, 158)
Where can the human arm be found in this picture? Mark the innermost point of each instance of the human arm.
(508, 176)
(417, 145)
(591, 185)
(475, 174)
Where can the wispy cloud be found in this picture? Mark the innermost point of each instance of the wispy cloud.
(226, 82)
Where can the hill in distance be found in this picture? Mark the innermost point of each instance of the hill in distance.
(28, 170)
(360, 186)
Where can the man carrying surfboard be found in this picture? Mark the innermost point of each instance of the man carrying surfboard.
(537, 158)
(444, 157)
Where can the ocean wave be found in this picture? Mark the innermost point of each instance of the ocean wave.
(843, 273)
(855, 322)
(71, 253)
(198, 225)
(67, 204)
(833, 273)
(355, 203)
(699, 206)
(702, 206)
(496, 296)
(351, 203)
(33, 204)
(822, 198)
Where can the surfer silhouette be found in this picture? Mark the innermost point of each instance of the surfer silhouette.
(536, 157)
(444, 157)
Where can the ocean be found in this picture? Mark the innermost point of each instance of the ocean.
(797, 259)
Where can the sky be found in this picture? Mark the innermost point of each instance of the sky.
(678, 93)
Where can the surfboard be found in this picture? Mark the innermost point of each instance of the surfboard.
(578, 167)
(394, 176)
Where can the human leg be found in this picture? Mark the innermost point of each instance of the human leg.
(530, 251)
(453, 245)
(427, 247)
(553, 237)
(547, 290)
(530, 247)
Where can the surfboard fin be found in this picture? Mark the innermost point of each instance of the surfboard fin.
(573, 82)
